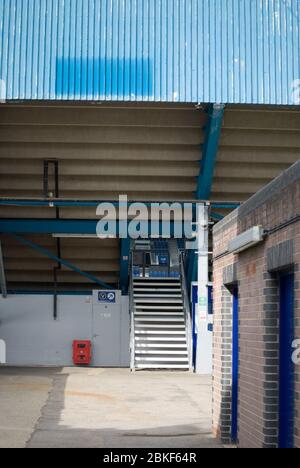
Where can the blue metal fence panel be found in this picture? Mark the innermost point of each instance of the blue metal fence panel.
(224, 51)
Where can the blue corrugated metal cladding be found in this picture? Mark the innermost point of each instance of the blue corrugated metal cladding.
(225, 51)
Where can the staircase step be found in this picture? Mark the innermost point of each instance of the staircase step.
(163, 338)
(158, 300)
(164, 297)
(157, 279)
(161, 366)
(163, 352)
(158, 297)
(161, 345)
(156, 328)
(157, 290)
(162, 359)
(164, 313)
(161, 279)
(159, 319)
(168, 325)
(159, 307)
(160, 332)
(160, 284)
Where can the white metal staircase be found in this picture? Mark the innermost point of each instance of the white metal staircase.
(160, 324)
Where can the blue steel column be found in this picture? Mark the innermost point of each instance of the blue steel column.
(209, 157)
(210, 150)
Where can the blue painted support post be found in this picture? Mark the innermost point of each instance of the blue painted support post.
(124, 265)
(53, 257)
(210, 150)
(192, 268)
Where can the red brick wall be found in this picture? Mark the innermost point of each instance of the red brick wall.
(258, 317)
(222, 347)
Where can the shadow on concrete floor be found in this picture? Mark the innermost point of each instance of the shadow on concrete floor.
(112, 408)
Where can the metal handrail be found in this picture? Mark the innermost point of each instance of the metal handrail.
(132, 324)
(188, 316)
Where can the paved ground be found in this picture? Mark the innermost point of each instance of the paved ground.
(104, 408)
(23, 393)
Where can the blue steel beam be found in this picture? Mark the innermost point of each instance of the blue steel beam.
(217, 216)
(63, 226)
(26, 292)
(91, 204)
(47, 226)
(210, 150)
(124, 265)
(65, 263)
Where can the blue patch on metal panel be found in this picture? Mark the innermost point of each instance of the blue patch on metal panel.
(105, 73)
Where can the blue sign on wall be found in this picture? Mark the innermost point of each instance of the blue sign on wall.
(107, 296)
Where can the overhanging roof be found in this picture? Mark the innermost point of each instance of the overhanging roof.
(151, 50)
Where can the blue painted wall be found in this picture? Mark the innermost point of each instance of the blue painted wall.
(229, 51)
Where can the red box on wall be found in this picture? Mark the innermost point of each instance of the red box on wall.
(82, 353)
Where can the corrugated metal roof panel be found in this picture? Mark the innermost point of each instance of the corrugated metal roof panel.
(231, 51)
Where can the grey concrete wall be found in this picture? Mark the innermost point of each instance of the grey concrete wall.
(34, 338)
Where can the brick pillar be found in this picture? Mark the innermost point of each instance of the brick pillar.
(222, 367)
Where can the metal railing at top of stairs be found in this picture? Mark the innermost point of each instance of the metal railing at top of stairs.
(187, 312)
(144, 265)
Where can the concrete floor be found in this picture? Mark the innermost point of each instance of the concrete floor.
(104, 408)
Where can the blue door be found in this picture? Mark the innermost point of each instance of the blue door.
(195, 336)
(286, 372)
(235, 365)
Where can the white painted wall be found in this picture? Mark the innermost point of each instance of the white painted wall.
(34, 338)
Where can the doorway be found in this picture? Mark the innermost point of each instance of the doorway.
(286, 366)
(235, 365)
